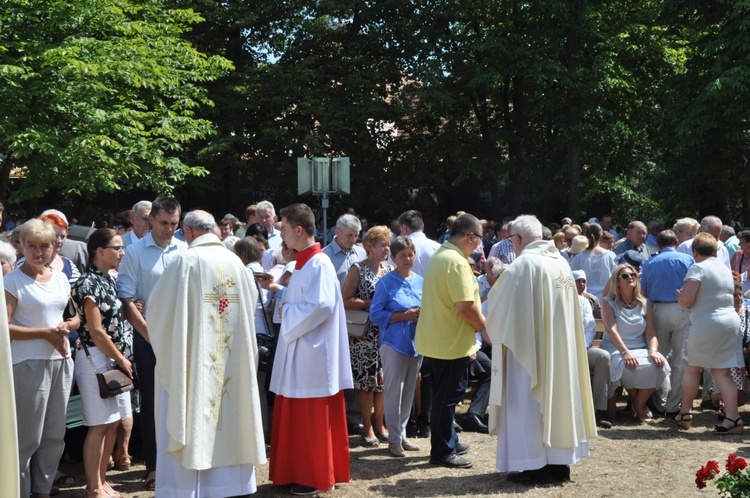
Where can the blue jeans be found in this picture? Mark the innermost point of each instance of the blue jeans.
(450, 378)
(145, 363)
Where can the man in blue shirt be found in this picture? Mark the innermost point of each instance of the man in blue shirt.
(661, 276)
(144, 262)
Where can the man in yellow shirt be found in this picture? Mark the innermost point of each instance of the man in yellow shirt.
(446, 334)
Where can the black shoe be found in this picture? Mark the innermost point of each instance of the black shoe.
(457, 427)
(462, 449)
(472, 423)
(559, 473)
(424, 429)
(601, 420)
(452, 461)
(355, 429)
(300, 490)
(532, 477)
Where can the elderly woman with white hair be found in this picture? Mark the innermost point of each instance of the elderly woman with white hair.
(7, 257)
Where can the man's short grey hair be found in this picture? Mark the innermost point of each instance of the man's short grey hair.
(8, 252)
(412, 219)
(265, 206)
(710, 222)
(200, 221)
(349, 221)
(527, 226)
(142, 207)
(727, 231)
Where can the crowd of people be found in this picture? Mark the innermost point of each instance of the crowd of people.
(244, 338)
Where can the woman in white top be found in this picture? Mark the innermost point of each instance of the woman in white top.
(596, 261)
(36, 297)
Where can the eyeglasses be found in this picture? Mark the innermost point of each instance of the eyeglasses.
(627, 276)
(116, 248)
(514, 235)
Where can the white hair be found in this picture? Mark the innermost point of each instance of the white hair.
(142, 207)
(200, 220)
(8, 252)
(348, 221)
(710, 222)
(527, 226)
(265, 206)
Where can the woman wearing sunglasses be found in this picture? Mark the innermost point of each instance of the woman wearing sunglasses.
(631, 340)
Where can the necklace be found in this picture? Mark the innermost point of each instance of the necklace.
(628, 305)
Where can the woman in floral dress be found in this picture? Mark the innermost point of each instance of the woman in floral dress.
(367, 368)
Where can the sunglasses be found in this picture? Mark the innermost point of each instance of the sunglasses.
(627, 276)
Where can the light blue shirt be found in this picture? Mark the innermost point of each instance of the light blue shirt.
(395, 294)
(342, 260)
(274, 239)
(663, 274)
(142, 265)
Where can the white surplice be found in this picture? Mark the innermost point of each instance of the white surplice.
(200, 320)
(312, 356)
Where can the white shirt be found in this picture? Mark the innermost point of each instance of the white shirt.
(721, 251)
(589, 322)
(424, 248)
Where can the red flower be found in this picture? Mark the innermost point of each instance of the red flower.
(735, 464)
(706, 473)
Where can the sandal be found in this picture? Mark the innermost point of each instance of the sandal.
(123, 462)
(684, 422)
(99, 493)
(370, 443)
(720, 415)
(150, 483)
(64, 480)
(738, 427)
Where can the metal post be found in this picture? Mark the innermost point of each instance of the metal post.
(324, 205)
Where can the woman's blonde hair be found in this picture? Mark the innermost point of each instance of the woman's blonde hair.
(374, 234)
(614, 287)
(36, 230)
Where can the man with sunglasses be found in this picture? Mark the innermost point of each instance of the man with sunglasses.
(541, 405)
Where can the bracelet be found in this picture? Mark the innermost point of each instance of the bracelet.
(652, 350)
(625, 352)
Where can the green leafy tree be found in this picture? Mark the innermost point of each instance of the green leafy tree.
(100, 95)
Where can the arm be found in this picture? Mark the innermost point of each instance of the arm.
(610, 324)
(686, 295)
(651, 340)
(470, 311)
(135, 317)
(349, 291)
(57, 336)
(100, 337)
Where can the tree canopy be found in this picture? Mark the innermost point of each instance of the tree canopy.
(100, 95)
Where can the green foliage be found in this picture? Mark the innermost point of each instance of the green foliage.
(101, 95)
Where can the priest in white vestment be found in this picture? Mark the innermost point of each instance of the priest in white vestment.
(200, 315)
(309, 438)
(541, 406)
(9, 473)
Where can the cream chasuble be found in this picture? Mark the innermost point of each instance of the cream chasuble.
(534, 315)
(200, 321)
(9, 473)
